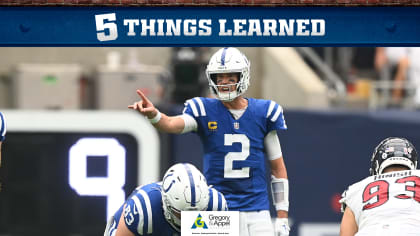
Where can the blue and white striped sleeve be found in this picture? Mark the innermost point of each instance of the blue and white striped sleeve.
(275, 117)
(138, 214)
(111, 227)
(194, 107)
(2, 127)
(217, 201)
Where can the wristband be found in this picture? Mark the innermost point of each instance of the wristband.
(280, 193)
(156, 119)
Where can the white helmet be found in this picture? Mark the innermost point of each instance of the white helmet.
(228, 60)
(184, 188)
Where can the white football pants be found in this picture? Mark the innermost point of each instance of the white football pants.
(255, 223)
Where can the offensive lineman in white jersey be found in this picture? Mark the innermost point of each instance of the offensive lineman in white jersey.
(388, 202)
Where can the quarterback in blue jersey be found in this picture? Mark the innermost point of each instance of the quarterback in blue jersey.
(2, 132)
(155, 209)
(238, 134)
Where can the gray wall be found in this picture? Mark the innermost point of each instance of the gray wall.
(90, 57)
(87, 56)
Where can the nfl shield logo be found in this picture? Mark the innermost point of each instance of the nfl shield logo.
(236, 125)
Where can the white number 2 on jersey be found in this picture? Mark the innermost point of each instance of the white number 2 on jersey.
(236, 156)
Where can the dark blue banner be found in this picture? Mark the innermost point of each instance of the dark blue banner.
(169, 26)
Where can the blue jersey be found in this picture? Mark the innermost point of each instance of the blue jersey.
(234, 153)
(143, 212)
(2, 127)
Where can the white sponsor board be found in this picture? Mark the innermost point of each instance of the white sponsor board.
(209, 223)
(319, 229)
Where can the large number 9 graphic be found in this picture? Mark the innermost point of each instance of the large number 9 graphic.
(110, 186)
(236, 156)
(375, 194)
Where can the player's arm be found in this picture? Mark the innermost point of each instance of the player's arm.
(217, 201)
(2, 131)
(280, 186)
(279, 182)
(169, 124)
(348, 225)
(122, 229)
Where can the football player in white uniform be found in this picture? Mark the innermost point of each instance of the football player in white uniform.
(387, 202)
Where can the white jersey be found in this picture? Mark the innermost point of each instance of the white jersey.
(386, 204)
